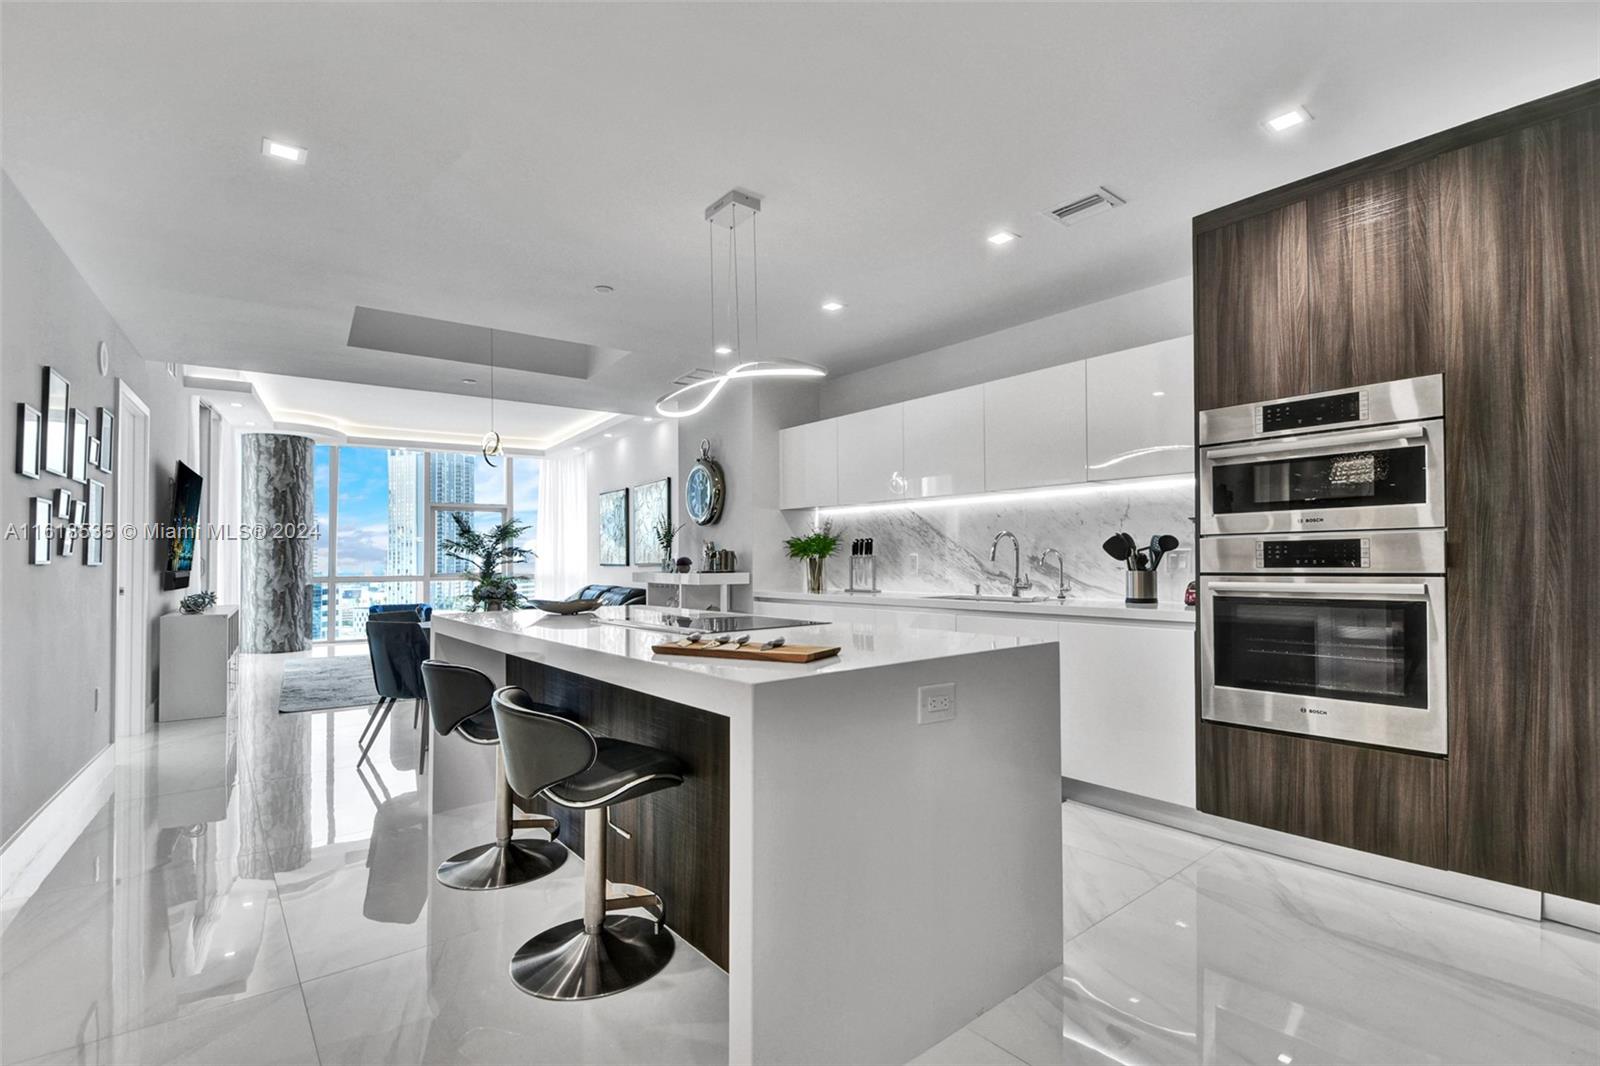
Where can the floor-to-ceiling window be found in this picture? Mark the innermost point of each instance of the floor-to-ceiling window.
(383, 516)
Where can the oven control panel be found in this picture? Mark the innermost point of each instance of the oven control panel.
(1344, 553)
(1332, 409)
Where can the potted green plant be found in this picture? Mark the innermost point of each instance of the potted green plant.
(815, 547)
(489, 555)
(665, 533)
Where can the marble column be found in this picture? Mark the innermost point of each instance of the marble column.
(278, 520)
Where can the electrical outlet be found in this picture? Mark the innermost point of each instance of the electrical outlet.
(936, 703)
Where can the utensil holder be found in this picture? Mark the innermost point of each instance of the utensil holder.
(1141, 586)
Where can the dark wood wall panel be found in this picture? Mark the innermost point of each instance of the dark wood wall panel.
(679, 845)
(1385, 802)
(1372, 281)
(1251, 310)
(1475, 254)
(1519, 255)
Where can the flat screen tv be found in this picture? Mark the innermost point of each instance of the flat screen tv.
(182, 529)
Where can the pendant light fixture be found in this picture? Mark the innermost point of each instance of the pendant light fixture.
(491, 439)
(736, 355)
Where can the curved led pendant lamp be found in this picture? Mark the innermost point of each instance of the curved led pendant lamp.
(692, 397)
(491, 439)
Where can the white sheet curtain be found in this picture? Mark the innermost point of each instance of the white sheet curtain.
(214, 451)
(563, 541)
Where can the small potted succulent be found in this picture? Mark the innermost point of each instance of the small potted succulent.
(815, 548)
(489, 554)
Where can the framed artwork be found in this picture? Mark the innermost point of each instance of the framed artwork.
(80, 446)
(614, 528)
(94, 547)
(55, 423)
(651, 504)
(39, 531)
(29, 425)
(107, 439)
(63, 508)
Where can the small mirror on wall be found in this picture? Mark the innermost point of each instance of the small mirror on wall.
(55, 423)
(29, 426)
(107, 439)
(39, 531)
(80, 446)
(94, 546)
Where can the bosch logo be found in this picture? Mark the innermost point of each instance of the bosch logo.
(1312, 710)
(1308, 520)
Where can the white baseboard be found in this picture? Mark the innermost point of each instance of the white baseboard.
(1572, 912)
(33, 850)
(1463, 888)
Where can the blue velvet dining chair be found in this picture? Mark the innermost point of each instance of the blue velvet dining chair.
(397, 644)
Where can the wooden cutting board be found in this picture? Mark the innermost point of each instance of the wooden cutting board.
(788, 653)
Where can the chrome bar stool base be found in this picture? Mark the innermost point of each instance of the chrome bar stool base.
(565, 962)
(489, 866)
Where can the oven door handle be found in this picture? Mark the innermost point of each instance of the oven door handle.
(1322, 442)
(1415, 590)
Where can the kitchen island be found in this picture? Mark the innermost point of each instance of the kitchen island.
(878, 881)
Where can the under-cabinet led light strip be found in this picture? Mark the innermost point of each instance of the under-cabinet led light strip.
(1141, 484)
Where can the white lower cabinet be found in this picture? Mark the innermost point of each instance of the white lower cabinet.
(1127, 708)
(1127, 701)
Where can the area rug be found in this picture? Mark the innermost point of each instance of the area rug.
(330, 681)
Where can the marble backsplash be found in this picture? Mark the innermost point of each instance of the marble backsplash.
(944, 547)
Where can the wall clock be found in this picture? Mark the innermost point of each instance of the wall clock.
(705, 488)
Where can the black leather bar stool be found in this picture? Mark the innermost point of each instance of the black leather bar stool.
(459, 702)
(556, 758)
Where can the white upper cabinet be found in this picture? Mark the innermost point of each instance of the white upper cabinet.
(872, 465)
(944, 443)
(808, 465)
(1141, 411)
(1033, 428)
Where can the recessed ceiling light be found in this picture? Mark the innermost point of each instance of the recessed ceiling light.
(649, 418)
(249, 423)
(1133, 999)
(469, 381)
(723, 349)
(1288, 120)
(229, 954)
(604, 290)
(235, 403)
(1285, 1059)
(1158, 392)
(1003, 236)
(278, 150)
(832, 305)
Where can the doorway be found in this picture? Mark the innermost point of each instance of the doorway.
(131, 639)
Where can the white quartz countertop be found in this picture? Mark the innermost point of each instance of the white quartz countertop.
(586, 645)
(1172, 613)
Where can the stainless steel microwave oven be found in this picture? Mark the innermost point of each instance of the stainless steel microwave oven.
(1366, 458)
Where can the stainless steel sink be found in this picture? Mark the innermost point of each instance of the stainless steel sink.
(985, 598)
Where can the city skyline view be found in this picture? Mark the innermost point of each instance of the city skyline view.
(382, 514)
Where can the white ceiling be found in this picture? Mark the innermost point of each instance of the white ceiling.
(489, 164)
(362, 413)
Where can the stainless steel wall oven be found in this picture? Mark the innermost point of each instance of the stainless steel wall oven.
(1337, 633)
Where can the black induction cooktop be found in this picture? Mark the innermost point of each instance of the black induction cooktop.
(665, 618)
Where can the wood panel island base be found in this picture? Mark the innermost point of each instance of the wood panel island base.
(870, 883)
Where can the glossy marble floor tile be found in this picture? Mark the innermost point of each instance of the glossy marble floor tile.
(1244, 957)
(1158, 850)
(249, 893)
(266, 1030)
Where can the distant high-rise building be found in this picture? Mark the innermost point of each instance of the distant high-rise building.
(451, 480)
(407, 511)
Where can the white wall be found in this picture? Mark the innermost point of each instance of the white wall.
(636, 453)
(1144, 316)
(742, 426)
(56, 620)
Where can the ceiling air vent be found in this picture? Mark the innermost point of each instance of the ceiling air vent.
(1096, 203)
